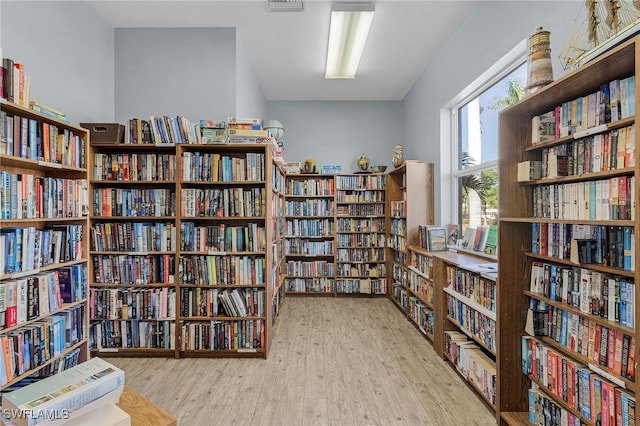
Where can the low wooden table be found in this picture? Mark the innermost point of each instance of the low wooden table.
(142, 411)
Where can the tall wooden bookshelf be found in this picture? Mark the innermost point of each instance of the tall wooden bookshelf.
(310, 234)
(276, 284)
(409, 205)
(44, 239)
(360, 234)
(134, 238)
(226, 196)
(523, 306)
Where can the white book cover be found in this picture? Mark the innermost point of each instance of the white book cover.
(58, 395)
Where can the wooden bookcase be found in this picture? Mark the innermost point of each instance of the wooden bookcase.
(360, 234)
(465, 318)
(310, 234)
(518, 255)
(44, 239)
(227, 190)
(276, 284)
(421, 292)
(409, 205)
(134, 235)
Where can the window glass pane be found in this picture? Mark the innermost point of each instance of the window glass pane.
(478, 119)
(478, 195)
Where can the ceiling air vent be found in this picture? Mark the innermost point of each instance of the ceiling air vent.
(285, 5)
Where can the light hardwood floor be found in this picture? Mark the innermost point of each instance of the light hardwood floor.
(334, 361)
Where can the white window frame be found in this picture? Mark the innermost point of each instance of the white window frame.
(449, 129)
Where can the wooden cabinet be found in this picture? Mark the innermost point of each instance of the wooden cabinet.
(44, 247)
(542, 228)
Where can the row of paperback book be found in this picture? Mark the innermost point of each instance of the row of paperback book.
(138, 304)
(213, 167)
(611, 102)
(128, 269)
(608, 245)
(309, 208)
(477, 324)
(472, 363)
(310, 285)
(399, 227)
(133, 202)
(309, 187)
(399, 275)
(360, 225)
(25, 299)
(212, 302)
(473, 286)
(370, 254)
(134, 167)
(222, 270)
(420, 286)
(481, 238)
(361, 240)
(136, 237)
(29, 248)
(15, 85)
(109, 334)
(25, 196)
(64, 362)
(602, 199)
(309, 227)
(361, 269)
(317, 268)
(359, 196)
(223, 335)
(398, 209)
(220, 238)
(596, 293)
(180, 130)
(421, 315)
(33, 345)
(361, 182)
(303, 247)
(360, 210)
(581, 389)
(596, 153)
(226, 202)
(361, 285)
(609, 348)
(39, 141)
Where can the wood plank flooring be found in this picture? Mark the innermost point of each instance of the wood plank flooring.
(334, 361)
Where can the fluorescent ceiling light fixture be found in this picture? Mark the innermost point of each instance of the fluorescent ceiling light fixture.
(350, 23)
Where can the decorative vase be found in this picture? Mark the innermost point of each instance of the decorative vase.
(540, 67)
(363, 163)
(397, 156)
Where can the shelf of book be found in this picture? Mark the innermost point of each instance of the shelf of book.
(133, 225)
(409, 200)
(360, 234)
(230, 212)
(567, 246)
(43, 243)
(309, 234)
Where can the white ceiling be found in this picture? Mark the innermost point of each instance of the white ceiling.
(288, 49)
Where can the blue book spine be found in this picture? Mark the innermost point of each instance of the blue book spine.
(33, 139)
(632, 95)
(624, 297)
(585, 393)
(627, 241)
(563, 328)
(5, 195)
(10, 250)
(552, 282)
(17, 266)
